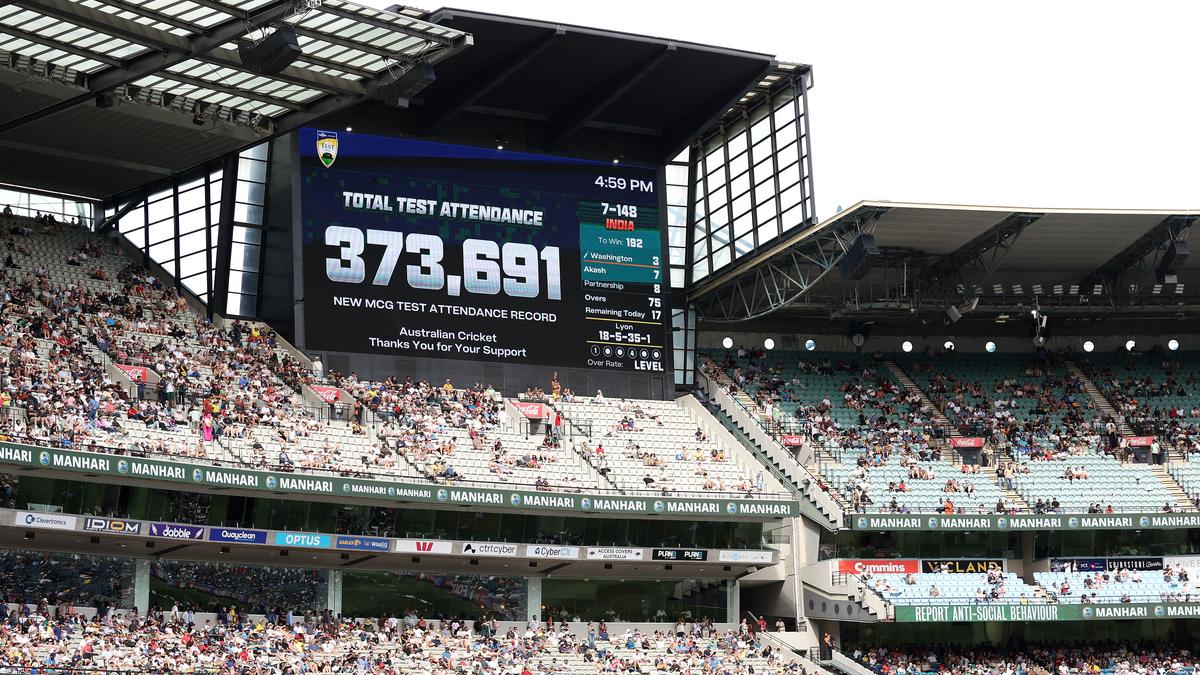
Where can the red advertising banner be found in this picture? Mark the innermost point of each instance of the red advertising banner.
(791, 440)
(327, 394)
(966, 442)
(135, 373)
(534, 411)
(856, 566)
(1140, 441)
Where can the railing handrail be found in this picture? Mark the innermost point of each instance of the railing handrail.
(813, 491)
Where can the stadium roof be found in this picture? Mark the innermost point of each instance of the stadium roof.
(567, 80)
(988, 259)
(181, 93)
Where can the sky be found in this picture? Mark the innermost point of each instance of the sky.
(1019, 103)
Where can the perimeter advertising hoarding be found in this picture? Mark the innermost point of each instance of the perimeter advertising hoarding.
(995, 612)
(858, 566)
(392, 492)
(427, 250)
(1007, 523)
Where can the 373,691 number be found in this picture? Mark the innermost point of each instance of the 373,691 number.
(488, 268)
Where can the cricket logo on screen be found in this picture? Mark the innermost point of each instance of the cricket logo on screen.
(327, 147)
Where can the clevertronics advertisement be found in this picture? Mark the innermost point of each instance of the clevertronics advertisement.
(419, 249)
(176, 474)
(994, 612)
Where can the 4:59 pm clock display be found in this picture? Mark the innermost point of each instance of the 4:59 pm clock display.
(421, 249)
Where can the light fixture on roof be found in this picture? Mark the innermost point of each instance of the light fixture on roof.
(1173, 344)
(906, 346)
(1130, 345)
(499, 142)
(617, 159)
(1088, 345)
(727, 342)
(349, 129)
(769, 344)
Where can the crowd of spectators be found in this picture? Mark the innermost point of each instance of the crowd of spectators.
(867, 419)
(1018, 658)
(175, 642)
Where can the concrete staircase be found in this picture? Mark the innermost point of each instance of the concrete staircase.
(940, 421)
(1017, 501)
(823, 457)
(1102, 403)
(1177, 494)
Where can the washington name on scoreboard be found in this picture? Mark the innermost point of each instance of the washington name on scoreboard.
(426, 250)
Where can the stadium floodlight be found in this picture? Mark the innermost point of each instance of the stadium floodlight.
(1088, 345)
(349, 129)
(810, 344)
(948, 345)
(990, 347)
(727, 343)
(1130, 344)
(499, 142)
(1173, 344)
(769, 343)
(906, 346)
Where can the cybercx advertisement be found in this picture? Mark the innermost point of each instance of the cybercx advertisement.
(427, 250)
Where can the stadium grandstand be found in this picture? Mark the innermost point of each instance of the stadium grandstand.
(334, 340)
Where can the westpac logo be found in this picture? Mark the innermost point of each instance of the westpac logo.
(423, 546)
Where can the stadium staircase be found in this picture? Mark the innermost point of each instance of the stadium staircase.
(1102, 403)
(797, 476)
(949, 453)
(796, 647)
(939, 419)
(839, 662)
(1160, 471)
(1173, 488)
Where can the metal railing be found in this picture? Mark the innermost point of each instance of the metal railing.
(809, 485)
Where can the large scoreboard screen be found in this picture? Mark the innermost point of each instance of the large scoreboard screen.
(427, 250)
